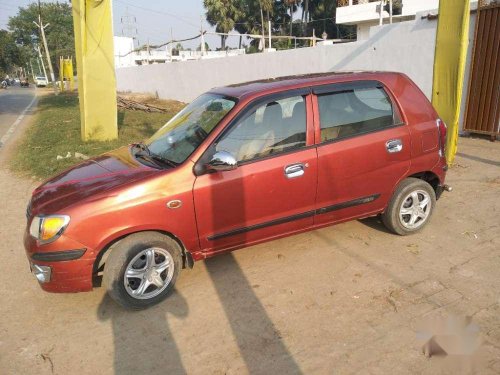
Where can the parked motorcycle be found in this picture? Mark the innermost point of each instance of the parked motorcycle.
(4, 84)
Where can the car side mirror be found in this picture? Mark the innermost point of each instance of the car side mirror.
(222, 161)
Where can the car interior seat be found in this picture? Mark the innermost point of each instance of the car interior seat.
(261, 135)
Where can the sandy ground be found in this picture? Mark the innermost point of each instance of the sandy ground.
(344, 299)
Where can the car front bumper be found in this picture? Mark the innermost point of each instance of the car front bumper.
(63, 266)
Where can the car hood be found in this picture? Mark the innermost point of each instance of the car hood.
(91, 179)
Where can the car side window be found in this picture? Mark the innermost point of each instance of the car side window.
(355, 111)
(271, 128)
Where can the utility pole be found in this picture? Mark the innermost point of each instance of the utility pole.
(390, 11)
(38, 62)
(380, 12)
(263, 32)
(269, 25)
(202, 49)
(171, 42)
(93, 31)
(41, 59)
(42, 33)
(32, 72)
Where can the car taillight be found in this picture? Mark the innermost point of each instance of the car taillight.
(442, 135)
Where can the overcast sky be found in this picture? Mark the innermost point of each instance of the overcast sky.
(154, 19)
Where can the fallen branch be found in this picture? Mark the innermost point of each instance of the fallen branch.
(137, 106)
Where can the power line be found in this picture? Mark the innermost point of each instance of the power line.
(146, 47)
(176, 16)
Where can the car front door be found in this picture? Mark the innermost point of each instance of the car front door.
(273, 189)
(363, 150)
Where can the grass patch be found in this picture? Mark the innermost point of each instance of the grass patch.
(56, 131)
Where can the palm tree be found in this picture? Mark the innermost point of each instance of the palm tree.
(293, 5)
(305, 11)
(223, 14)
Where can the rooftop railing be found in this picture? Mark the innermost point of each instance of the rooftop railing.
(345, 3)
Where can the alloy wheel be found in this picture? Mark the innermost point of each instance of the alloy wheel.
(415, 209)
(148, 273)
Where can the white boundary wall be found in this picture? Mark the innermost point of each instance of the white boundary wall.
(406, 47)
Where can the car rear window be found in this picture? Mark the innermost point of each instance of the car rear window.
(355, 111)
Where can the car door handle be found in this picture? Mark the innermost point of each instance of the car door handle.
(394, 145)
(294, 170)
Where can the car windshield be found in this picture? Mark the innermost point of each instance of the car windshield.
(179, 137)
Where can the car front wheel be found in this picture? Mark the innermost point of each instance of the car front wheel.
(142, 269)
(410, 207)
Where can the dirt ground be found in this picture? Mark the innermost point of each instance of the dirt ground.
(344, 299)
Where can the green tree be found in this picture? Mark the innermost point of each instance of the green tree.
(11, 55)
(223, 14)
(59, 33)
(252, 20)
(320, 15)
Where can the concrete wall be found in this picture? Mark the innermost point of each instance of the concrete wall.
(406, 47)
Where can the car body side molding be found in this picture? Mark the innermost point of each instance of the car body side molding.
(319, 211)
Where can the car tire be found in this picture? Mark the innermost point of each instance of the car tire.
(133, 273)
(404, 215)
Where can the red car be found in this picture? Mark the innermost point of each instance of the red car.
(240, 165)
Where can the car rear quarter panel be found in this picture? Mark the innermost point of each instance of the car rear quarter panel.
(420, 117)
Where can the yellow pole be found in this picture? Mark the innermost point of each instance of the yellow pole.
(96, 73)
(449, 66)
(70, 73)
(61, 72)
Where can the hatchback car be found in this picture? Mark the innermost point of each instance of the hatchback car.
(41, 81)
(240, 165)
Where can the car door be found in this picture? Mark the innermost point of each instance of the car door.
(363, 149)
(273, 189)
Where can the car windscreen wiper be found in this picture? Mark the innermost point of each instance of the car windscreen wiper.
(142, 146)
(154, 159)
(163, 160)
(143, 155)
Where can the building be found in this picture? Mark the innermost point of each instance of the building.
(123, 51)
(126, 55)
(366, 13)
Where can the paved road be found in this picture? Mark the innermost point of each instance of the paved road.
(13, 102)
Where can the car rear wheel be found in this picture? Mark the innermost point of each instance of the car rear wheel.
(142, 269)
(410, 207)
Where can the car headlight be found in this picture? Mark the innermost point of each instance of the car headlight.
(48, 228)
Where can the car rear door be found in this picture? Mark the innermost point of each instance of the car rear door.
(273, 189)
(363, 149)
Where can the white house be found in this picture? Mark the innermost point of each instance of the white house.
(365, 13)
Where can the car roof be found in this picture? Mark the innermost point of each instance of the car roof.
(264, 86)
